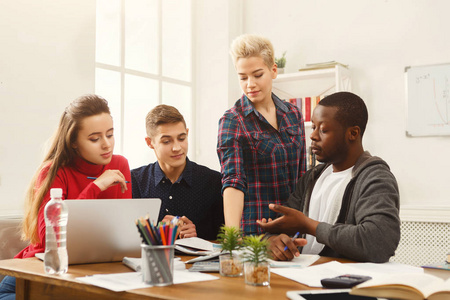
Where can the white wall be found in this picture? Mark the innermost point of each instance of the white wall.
(47, 58)
(378, 39)
(216, 23)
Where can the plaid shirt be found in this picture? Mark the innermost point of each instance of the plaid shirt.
(262, 162)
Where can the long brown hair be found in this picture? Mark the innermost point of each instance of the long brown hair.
(59, 155)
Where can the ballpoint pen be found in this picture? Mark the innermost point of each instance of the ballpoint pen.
(293, 238)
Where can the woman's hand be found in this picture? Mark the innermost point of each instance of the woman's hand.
(110, 178)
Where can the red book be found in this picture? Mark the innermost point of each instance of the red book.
(307, 115)
(293, 101)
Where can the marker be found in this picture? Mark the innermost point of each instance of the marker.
(93, 178)
(293, 238)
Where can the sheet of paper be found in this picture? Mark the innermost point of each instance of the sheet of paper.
(303, 261)
(385, 268)
(312, 276)
(128, 281)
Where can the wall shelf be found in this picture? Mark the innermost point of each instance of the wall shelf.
(312, 82)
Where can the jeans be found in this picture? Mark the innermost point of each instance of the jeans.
(8, 288)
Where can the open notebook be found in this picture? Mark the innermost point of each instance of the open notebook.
(104, 230)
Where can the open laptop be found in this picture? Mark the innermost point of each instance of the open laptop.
(104, 230)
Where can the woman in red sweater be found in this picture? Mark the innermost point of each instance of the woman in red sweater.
(82, 147)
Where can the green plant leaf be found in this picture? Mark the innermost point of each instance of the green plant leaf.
(281, 61)
(230, 238)
(256, 249)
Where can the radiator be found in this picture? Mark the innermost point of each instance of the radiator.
(425, 235)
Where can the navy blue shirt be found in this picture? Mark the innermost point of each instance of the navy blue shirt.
(196, 194)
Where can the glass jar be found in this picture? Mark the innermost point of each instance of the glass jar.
(230, 266)
(257, 274)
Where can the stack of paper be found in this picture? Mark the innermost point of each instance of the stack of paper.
(322, 65)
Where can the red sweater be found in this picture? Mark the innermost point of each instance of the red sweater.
(75, 185)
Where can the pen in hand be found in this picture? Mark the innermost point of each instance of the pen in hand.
(293, 238)
(93, 178)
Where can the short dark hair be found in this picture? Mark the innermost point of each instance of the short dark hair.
(162, 114)
(351, 109)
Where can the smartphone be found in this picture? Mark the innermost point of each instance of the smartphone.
(344, 281)
(337, 294)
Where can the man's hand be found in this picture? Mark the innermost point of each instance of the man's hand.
(278, 243)
(187, 229)
(291, 222)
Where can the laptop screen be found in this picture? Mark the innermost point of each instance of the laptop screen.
(104, 230)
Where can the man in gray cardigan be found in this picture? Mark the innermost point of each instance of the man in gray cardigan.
(349, 205)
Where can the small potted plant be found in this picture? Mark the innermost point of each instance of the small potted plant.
(256, 265)
(281, 63)
(230, 238)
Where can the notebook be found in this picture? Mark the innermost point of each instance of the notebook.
(104, 230)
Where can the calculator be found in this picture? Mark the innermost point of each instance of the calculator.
(211, 266)
(344, 281)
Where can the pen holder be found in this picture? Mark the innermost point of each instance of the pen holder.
(157, 264)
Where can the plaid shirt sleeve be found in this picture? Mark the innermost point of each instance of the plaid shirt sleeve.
(230, 154)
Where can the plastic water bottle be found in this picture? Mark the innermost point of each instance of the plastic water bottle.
(55, 259)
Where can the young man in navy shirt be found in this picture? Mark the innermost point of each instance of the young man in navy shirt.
(185, 188)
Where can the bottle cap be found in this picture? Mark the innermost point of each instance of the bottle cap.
(56, 193)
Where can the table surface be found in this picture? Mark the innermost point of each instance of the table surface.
(35, 284)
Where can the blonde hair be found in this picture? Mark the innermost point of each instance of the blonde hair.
(162, 114)
(250, 45)
(60, 154)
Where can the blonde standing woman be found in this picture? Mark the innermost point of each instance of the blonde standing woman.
(261, 140)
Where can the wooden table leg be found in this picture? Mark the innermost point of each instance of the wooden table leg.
(21, 289)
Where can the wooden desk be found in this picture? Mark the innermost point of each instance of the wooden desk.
(33, 283)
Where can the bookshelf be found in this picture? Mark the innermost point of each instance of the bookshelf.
(312, 83)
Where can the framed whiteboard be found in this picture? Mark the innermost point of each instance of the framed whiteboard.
(428, 100)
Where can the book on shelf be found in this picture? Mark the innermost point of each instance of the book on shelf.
(307, 114)
(408, 286)
(314, 102)
(306, 105)
(322, 65)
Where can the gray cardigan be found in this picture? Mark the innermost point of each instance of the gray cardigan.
(368, 225)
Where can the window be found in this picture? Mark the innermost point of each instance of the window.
(143, 58)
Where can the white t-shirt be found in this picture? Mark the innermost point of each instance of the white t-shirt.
(326, 200)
